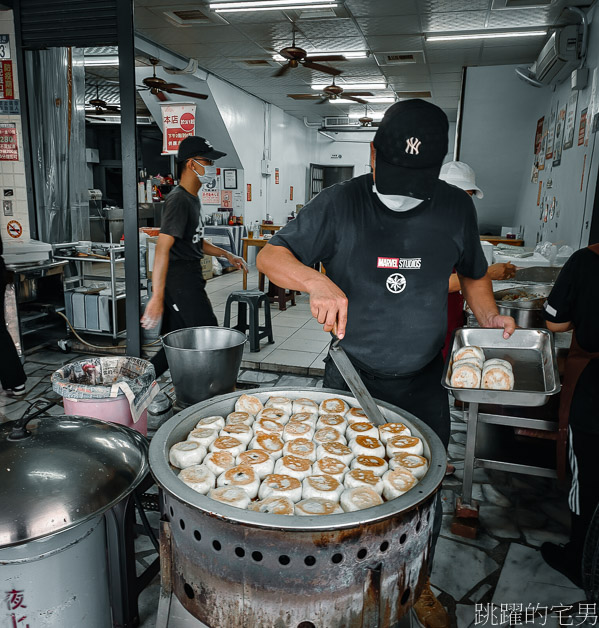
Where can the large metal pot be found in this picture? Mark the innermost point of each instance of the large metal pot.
(524, 304)
(56, 480)
(203, 361)
(231, 567)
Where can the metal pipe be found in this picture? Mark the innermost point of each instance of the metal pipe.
(129, 159)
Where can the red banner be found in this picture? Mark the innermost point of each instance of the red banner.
(9, 148)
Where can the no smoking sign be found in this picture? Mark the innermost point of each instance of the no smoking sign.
(14, 228)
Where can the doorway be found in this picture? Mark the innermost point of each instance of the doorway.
(324, 176)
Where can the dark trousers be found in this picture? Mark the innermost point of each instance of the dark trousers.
(420, 394)
(11, 369)
(186, 304)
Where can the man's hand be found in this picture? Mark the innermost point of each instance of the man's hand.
(507, 323)
(501, 271)
(236, 261)
(153, 313)
(329, 306)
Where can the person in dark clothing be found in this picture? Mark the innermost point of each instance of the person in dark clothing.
(178, 291)
(573, 304)
(389, 241)
(12, 375)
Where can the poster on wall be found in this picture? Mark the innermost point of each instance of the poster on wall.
(539, 135)
(538, 150)
(249, 192)
(276, 176)
(559, 136)
(178, 121)
(7, 85)
(226, 199)
(550, 134)
(9, 148)
(570, 120)
(229, 179)
(592, 107)
(582, 126)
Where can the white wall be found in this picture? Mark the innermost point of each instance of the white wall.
(573, 181)
(499, 118)
(350, 148)
(12, 173)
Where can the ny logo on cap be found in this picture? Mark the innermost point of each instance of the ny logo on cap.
(412, 146)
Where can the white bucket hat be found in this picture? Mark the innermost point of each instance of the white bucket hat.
(461, 175)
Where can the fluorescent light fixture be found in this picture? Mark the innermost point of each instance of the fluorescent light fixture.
(351, 86)
(345, 101)
(275, 5)
(375, 115)
(485, 35)
(101, 60)
(261, 3)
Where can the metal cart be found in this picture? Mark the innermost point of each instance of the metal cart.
(79, 273)
(532, 355)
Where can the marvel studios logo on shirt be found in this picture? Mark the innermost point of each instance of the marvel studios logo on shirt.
(413, 263)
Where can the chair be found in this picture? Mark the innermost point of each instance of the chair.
(279, 295)
(254, 299)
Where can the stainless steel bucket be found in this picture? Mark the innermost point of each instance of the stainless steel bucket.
(204, 361)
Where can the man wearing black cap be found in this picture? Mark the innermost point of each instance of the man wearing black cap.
(389, 241)
(178, 294)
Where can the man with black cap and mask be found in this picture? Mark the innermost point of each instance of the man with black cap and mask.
(389, 241)
(178, 291)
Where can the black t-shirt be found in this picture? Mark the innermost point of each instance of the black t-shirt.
(182, 219)
(575, 298)
(394, 267)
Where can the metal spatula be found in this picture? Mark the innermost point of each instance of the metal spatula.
(355, 383)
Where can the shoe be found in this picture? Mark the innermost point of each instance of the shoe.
(565, 559)
(429, 611)
(17, 391)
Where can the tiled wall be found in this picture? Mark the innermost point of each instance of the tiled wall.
(12, 173)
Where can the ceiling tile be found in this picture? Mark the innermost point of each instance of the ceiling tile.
(388, 43)
(442, 6)
(383, 7)
(450, 22)
(391, 25)
(521, 18)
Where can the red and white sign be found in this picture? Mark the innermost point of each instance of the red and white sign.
(226, 200)
(178, 121)
(14, 229)
(7, 82)
(249, 192)
(9, 148)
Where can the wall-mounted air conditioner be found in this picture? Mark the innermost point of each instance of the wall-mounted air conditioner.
(560, 55)
(340, 121)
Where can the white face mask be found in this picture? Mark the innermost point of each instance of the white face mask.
(209, 173)
(396, 202)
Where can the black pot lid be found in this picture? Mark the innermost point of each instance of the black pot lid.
(66, 471)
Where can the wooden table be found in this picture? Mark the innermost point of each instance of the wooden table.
(247, 242)
(269, 228)
(499, 240)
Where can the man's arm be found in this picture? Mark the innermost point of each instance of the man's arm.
(155, 306)
(558, 327)
(479, 296)
(209, 249)
(327, 302)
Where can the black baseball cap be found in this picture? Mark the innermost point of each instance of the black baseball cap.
(410, 143)
(195, 146)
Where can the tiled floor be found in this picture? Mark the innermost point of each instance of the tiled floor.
(518, 513)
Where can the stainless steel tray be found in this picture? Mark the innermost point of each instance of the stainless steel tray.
(532, 355)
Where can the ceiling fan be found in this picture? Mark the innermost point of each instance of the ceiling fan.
(100, 107)
(333, 92)
(159, 87)
(298, 56)
(366, 120)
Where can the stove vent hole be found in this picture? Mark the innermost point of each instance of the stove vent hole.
(216, 545)
(188, 591)
(284, 560)
(172, 511)
(239, 552)
(362, 553)
(310, 561)
(197, 536)
(257, 556)
(384, 546)
(402, 538)
(337, 558)
(405, 596)
(306, 624)
(418, 526)
(182, 524)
